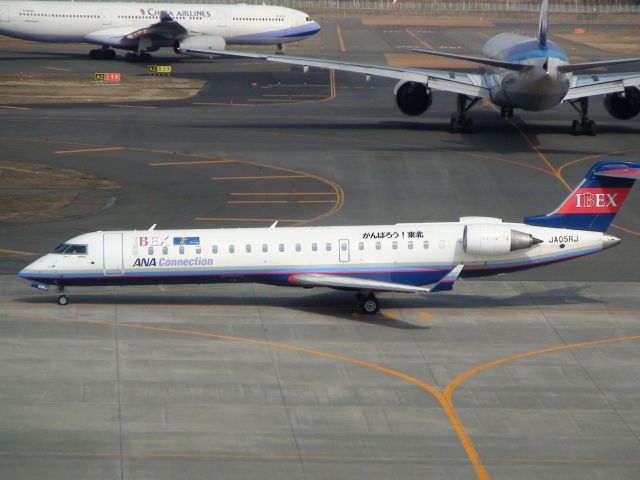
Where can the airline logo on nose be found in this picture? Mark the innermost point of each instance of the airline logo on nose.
(595, 200)
(598, 200)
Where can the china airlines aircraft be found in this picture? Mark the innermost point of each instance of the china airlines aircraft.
(529, 73)
(141, 28)
(365, 259)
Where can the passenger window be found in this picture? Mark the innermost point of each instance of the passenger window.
(328, 246)
(378, 245)
(214, 249)
(165, 250)
(181, 249)
(314, 247)
(343, 246)
(247, 248)
(232, 248)
(410, 244)
(281, 247)
(298, 247)
(425, 244)
(150, 250)
(361, 246)
(394, 245)
(198, 250)
(265, 247)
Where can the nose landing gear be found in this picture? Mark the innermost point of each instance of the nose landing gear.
(62, 297)
(460, 122)
(584, 125)
(103, 53)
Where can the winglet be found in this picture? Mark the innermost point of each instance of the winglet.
(448, 280)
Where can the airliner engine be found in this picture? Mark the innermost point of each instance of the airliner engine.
(412, 98)
(623, 105)
(487, 239)
(200, 42)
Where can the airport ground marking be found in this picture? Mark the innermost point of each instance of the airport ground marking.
(89, 150)
(13, 107)
(340, 38)
(19, 253)
(259, 177)
(144, 107)
(279, 193)
(197, 162)
(422, 42)
(446, 404)
(256, 202)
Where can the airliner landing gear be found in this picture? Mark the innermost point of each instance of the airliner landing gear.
(506, 112)
(368, 303)
(62, 297)
(280, 49)
(102, 54)
(460, 122)
(584, 125)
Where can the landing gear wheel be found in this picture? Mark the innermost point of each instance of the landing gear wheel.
(575, 128)
(63, 300)
(95, 54)
(454, 125)
(370, 305)
(591, 128)
(145, 57)
(109, 54)
(132, 57)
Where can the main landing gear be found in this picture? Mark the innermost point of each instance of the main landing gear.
(460, 122)
(506, 112)
(584, 125)
(62, 297)
(367, 302)
(102, 54)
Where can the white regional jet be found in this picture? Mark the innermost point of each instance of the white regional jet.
(365, 259)
(145, 27)
(519, 72)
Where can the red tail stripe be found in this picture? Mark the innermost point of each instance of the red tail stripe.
(595, 200)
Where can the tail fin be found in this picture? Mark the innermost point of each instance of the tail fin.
(596, 200)
(543, 24)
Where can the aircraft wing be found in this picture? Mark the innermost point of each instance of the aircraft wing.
(167, 28)
(467, 84)
(601, 84)
(342, 282)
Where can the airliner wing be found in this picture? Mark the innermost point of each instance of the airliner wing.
(167, 28)
(342, 282)
(456, 82)
(601, 84)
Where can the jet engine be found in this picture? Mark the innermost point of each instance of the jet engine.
(200, 42)
(494, 239)
(623, 105)
(412, 98)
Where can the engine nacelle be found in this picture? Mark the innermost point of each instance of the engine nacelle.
(623, 105)
(412, 98)
(200, 42)
(494, 239)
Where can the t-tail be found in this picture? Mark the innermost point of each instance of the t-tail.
(543, 24)
(595, 201)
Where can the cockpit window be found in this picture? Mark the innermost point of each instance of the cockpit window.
(308, 19)
(70, 249)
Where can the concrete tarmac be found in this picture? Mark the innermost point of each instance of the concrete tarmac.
(525, 376)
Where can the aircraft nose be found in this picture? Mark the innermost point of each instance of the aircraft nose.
(609, 241)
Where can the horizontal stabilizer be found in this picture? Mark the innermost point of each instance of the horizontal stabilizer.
(576, 67)
(481, 60)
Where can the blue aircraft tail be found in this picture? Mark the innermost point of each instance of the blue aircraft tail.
(543, 24)
(596, 200)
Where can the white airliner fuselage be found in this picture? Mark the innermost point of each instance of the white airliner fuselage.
(367, 259)
(147, 27)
